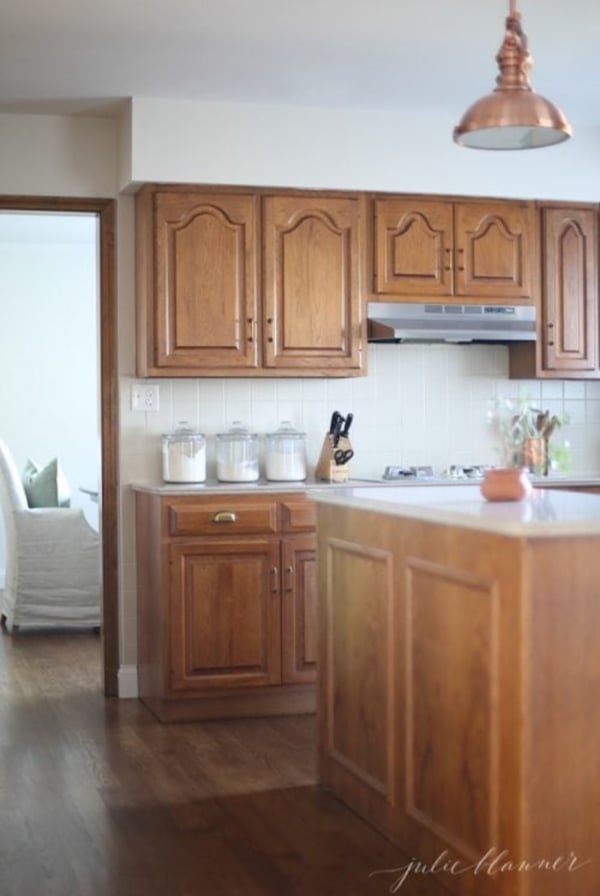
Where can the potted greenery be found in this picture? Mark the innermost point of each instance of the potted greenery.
(525, 432)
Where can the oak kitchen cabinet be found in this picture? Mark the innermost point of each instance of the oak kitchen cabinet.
(567, 345)
(436, 249)
(248, 282)
(226, 604)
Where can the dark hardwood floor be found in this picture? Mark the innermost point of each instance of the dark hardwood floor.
(97, 798)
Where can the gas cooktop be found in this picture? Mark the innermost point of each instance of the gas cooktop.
(426, 472)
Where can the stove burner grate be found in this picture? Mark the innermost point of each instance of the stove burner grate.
(474, 471)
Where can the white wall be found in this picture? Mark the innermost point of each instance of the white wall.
(51, 155)
(409, 151)
(48, 346)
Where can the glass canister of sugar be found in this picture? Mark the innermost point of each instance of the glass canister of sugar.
(184, 455)
(285, 455)
(237, 454)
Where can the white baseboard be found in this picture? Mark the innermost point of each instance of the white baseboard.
(128, 682)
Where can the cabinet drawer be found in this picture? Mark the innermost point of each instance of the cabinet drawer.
(298, 516)
(222, 518)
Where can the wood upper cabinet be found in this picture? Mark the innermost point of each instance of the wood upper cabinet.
(567, 346)
(234, 282)
(437, 249)
(312, 309)
(197, 291)
(569, 321)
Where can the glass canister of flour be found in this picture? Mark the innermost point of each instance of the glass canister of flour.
(184, 455)
(237, 454)
(285, 455)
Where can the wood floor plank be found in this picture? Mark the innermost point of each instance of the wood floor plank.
(97, 798)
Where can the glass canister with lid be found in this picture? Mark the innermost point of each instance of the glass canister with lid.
(285, 454)
(184, 455)
(237, 454)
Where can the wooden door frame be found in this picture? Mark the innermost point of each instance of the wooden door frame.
(105, 209)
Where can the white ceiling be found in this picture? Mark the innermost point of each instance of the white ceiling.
(79, 56)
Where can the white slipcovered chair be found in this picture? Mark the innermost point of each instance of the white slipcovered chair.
(53, 577)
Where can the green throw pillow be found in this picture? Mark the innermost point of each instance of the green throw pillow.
(46, 487)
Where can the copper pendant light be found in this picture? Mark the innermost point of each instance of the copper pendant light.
(513, 116)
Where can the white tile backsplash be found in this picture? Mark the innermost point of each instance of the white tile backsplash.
(418, 405)
(574, 389)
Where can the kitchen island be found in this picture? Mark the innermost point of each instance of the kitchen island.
(459, 683)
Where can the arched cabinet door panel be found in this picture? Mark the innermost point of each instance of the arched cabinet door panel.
(197, 281)
(413, 246)
(495, 250)
(569, 322)
(312, 307)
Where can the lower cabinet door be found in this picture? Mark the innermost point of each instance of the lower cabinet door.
(225, 614)
(299, 609)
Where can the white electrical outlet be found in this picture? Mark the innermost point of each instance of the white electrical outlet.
(144, 396)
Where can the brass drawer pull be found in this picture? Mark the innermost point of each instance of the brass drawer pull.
(224, 516)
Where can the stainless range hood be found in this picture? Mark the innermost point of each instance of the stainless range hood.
(408, 322)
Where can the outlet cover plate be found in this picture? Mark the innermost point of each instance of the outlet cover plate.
(144, 397)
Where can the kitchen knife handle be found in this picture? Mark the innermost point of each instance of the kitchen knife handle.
(335, 418)
(337, 432)
(347, 425)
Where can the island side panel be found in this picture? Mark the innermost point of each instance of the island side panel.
(562, 810)
(357, 659)
(420, 642)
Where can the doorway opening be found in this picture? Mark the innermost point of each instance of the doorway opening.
(99, 214)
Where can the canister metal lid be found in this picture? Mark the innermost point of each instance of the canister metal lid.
(286, 431)
(184, 432)
(237, 433)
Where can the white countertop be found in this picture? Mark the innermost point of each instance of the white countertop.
(262, 485)
(212, 487)
(547, 512)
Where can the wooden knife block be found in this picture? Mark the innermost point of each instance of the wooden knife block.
(327, 468)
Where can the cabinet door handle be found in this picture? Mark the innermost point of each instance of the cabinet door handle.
(289, 578)
(252, 323)
(225, 516)
(448, 259)
(275, 578)
(550, 334)
(461, 259)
